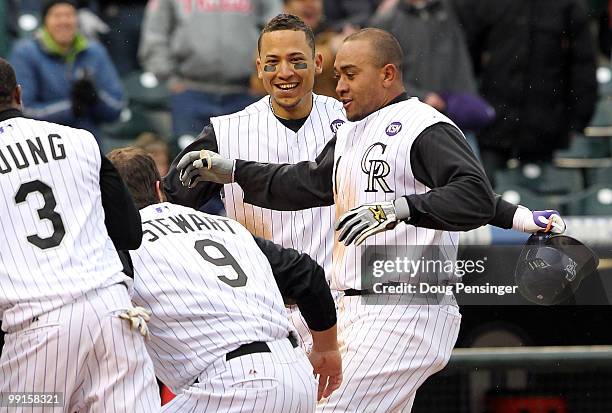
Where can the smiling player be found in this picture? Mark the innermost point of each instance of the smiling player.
(290, 125)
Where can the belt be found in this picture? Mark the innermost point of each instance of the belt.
(255, 347)
(352, 292)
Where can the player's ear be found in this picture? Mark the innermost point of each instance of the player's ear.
(389, 74)
(318, 63)
(159, 192)
(259, 68)
(17, 95)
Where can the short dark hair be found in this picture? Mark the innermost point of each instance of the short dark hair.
(8, 82)
(138, 171)
(47, 4)
(288, 22)
(387, 49)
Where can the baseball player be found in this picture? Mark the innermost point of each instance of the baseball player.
(290, 125)
(220, 337)
(400, 167)
(62, 290)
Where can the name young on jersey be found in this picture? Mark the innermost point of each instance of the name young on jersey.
(20, 155)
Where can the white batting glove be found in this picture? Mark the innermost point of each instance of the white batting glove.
(138, 318)
(359, 223)
(205, 166)
(529, 221)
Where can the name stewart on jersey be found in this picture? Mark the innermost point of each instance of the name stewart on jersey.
(152, 229)
(33, 151)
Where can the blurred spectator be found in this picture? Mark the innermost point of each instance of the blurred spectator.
(97, 17)
(536, 63)
(89, 23)
(157, 148)
(125, 18)
(384, 6)
(437, 66)
(65, 77)
(204, 50)
(327, 42)
(356, 13)
(8, 25)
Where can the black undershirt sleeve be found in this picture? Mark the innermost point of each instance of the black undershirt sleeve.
(288, 187)
(461, 197)
(121, 217)
(504, 213)
(301, 279)
(204, 191)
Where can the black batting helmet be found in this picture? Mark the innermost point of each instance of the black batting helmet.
(551, 268)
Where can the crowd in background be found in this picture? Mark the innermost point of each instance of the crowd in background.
(516, 75)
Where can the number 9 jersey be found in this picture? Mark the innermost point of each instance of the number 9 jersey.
(215, 292)
(54, 246)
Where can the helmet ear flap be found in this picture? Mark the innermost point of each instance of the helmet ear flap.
(551, 267)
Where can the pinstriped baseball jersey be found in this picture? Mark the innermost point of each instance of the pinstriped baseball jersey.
(372, 163)
(256, 134)
(217, 294)
(54, 246)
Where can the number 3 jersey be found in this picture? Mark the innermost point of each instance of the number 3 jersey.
(209, 287)
(54, 246)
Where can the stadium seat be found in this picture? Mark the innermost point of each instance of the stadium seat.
(4, 38)
(133, 121)
(583, 147)
(143, 88)
(519, 195)
(601, 123)
(603, 113)
(585, 153)
(599, 176)
(604, 81)
(541, 179)
(596, 200)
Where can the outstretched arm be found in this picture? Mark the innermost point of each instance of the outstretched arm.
(460, 197)
(282, 187)
(201, 193)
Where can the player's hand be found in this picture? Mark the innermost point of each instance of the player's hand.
(359, 223)
(549, 221)
(529, 221)
(138, 318)
(328, 365)
(207, 166)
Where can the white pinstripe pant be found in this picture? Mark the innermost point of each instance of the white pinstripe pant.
(85, 351)
(279, 381)
(388, 351)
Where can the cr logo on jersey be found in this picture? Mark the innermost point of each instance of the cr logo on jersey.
(393, 129)
(335, 125)
(376, 169)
